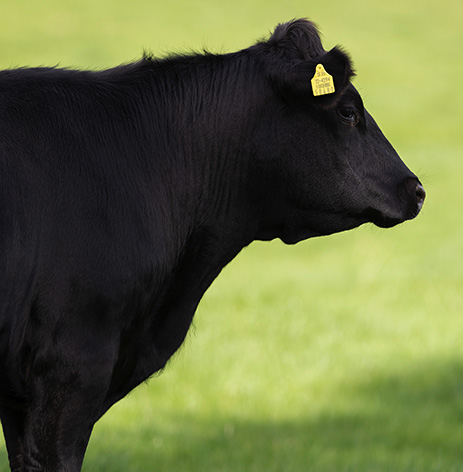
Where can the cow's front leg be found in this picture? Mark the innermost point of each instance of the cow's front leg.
(66, 401)
(48, 436)
(56, 433)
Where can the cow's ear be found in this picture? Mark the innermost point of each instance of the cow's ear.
(320, 81)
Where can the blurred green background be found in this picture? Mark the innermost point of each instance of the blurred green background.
(338, 354)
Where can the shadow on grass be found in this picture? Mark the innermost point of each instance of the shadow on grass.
(412, 421)
(408, 421)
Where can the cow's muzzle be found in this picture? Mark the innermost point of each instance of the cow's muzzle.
(405, 205)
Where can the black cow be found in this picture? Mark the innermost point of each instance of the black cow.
(124, 192)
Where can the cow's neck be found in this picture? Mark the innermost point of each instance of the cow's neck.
(209, 121)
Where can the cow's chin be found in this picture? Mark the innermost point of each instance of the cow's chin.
(384, 219)
(385, 222)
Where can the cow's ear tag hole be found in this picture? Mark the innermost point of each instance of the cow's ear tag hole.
(322, 82)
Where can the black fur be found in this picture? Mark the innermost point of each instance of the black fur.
(123, 193)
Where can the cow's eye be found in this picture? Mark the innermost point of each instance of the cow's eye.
(349, 115)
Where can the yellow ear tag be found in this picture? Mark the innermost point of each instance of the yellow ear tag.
(322, 82)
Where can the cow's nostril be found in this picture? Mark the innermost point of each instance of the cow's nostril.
(412, 195)
(420, 194)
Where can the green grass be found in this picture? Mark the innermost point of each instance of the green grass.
(338, 354)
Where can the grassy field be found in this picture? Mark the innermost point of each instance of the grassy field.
(338, 354)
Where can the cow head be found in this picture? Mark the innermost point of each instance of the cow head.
(321, 162)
